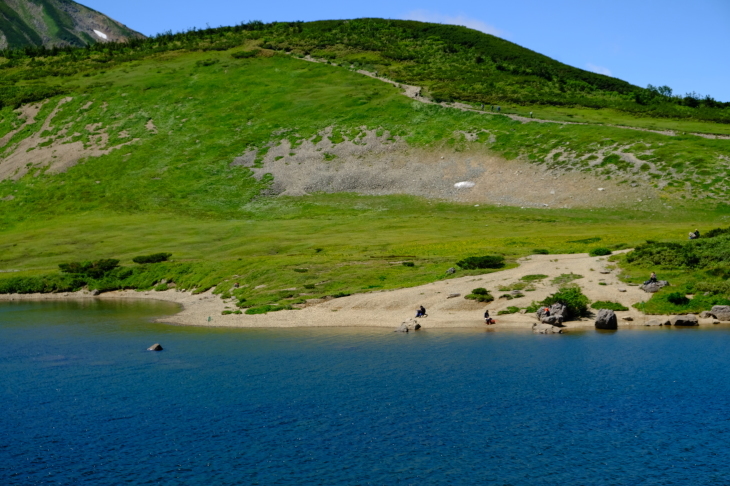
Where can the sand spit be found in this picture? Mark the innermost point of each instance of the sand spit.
(388, 309)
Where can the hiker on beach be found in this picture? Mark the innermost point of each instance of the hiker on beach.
(420, 311)
(487, 319)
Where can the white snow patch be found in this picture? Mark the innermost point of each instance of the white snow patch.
(101, 34)
(464, 185)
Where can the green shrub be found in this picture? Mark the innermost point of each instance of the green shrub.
(677, 299)
(480, 295)
(206, 62)
(340, 294)
(533, 278)
(265, 309)
(509, 310)
(604, 304)
(160, 287)
(309, 286)
(533, 307)
(540, 251)
(95, 269)
(154, 258)
(409, 264)
(481, 262)
(301, 270)
(565, 278)
(228, 312)
(599, 252)
(246, 54)
(572, 298)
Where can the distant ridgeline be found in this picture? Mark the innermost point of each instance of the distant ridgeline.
(450, 62)
(56, 23)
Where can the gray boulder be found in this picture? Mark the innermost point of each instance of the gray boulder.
(96, 292)
(721, 312)
(688, 320)
(606, 319)
(706, 314)
(654, 286)
(451, 270)
(627, 318)
(155, 347)
(453, 296)
(409, 325)
(557, 311)
(546, 329)
(653, 322)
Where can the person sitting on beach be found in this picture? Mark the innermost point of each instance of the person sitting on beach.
(420, 311)
(546, 312)
(487, 319)
(652, 277)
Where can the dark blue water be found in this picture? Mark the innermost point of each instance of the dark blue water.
(82, 402)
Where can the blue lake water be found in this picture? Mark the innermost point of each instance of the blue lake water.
(82, 402)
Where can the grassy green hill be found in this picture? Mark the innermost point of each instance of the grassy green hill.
(35, 23)
(194, 144)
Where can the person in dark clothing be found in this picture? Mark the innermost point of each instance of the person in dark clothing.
(487, 319)
(652, 277)
(421, 311)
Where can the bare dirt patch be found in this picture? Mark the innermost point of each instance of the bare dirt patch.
(57, 153)
(375, 164)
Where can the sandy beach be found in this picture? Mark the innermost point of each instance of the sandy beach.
(388, 309)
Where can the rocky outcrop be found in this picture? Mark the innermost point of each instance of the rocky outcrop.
(706, 314)
(541, 328)
(606, 319)
(653, 287)
(556, 315)
(688, 320)
(721, 312)
(653, 323)
(155, 347)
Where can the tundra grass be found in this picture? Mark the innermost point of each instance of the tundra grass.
(290, 249)
(207, 114)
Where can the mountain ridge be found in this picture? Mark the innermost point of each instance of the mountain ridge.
(59, 23)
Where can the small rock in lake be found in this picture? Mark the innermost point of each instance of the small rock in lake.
(155, 347)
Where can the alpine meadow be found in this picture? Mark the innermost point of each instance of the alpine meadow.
(285, 162)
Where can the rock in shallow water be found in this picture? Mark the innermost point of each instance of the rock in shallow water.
(155, 347)
(688, 320)
(546, 329)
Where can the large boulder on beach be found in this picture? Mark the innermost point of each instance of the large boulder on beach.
(606, 319)
(706, 315)
(654, 322)
(721, 312)
(653, 287)
(155, 347)
(542, 328)
(557, 315)
(688, 320)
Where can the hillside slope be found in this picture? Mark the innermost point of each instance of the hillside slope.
(56, 23)
(251, 163)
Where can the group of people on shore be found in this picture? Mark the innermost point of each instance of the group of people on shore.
(421, 312)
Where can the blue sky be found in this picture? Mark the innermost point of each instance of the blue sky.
(679, 43)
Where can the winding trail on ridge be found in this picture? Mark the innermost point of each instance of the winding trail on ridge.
(414, 92)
